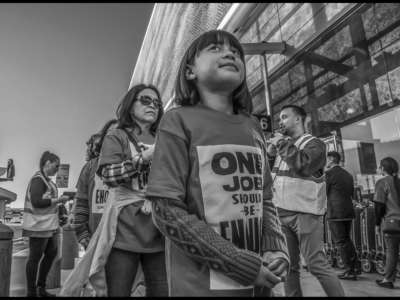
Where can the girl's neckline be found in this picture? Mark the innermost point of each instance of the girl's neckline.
(232, 118)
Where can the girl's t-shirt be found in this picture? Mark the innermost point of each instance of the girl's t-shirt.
(219, 175)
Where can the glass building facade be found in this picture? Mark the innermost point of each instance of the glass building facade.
(342, 64)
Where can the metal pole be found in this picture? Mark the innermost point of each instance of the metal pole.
(266, 90)
(6, 243)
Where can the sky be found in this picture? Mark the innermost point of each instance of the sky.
(63, 70)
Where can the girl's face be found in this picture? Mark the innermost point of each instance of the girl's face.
(217, 67)
(146, 107)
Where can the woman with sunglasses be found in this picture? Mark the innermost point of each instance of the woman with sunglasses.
(124, 164)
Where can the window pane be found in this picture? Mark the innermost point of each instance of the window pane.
(380, 16)
(297, 76)
(259, 105)
(254, 71)
(368, 96)
(280, 87)
(296, 21)
(273, 60)
(268, 20)
(332, 9)
(394, 80)
(337, 46)
(250, 35)
(268, 28)
(286, 8)
(343, 108)
(383, 90)
(302, 34)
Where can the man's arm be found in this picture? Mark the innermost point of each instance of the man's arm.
(307, 161)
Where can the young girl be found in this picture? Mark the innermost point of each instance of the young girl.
(210, 184)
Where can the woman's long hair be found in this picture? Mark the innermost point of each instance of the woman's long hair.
(186, 93)
(102, 133)
(124, 117)
(390, 166)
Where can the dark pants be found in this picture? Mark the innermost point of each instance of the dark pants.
(42, 252)
(121, 269)
(392, 256)
(341, 236)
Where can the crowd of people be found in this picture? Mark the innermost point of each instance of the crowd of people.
(197, 201)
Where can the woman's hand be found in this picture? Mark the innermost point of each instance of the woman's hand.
(47, 195)
(85, 242)
(146, 208)
(62, 199)
(147, 154)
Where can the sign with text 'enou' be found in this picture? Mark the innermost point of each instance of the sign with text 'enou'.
(62, 176)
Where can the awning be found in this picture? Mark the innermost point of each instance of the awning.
(7, 195)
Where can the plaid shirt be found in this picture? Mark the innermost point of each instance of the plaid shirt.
(119, 173)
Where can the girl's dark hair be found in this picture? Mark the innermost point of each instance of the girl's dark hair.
(123, 111)
(47, 155)
(186, 93)
(390, 166)
(102, 133)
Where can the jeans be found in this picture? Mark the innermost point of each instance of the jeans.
(341, 235)
(38, 248)
(121, 268)
(392, 256)
(305, 234)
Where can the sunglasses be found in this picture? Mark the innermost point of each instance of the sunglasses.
(146, 100)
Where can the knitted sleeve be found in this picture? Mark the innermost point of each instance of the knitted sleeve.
(201, 243)
(273, 238)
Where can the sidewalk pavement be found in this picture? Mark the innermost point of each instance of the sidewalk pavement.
(365, 286)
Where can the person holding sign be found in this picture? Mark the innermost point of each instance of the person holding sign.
(210, 184)
(40, 224)
(91, 193)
